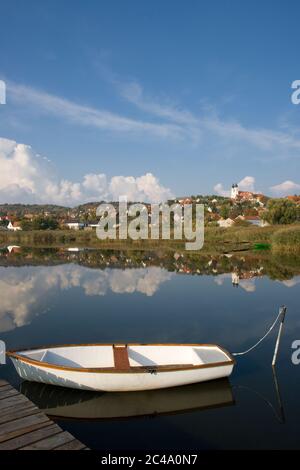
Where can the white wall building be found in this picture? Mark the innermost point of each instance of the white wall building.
(73, 225)
(14, 226)
(225, 223)
(234, 191)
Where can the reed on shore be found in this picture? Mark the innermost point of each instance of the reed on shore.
(216, 239)
(287, 240)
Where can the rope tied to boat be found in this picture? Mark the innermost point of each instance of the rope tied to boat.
(281, 315)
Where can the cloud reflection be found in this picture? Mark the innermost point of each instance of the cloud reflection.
(23, 290)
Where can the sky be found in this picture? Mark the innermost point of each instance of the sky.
(147, 99)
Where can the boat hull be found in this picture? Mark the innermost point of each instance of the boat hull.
(119, 381)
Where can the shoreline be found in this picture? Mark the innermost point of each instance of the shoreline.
(280, 238)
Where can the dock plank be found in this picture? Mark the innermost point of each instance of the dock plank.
(30, 437)
(18, 413)
(12, 401)
(5, 387)
(7, 393)
(24, 427)
(72, 445)
(17, 407)
(52, 442)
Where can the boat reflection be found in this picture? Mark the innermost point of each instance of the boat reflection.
(65, 403)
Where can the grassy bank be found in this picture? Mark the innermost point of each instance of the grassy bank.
(217, 240)
(287, 240)
(80, 238)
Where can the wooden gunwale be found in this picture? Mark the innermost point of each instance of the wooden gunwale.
(134, 369)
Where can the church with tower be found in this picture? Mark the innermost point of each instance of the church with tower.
(234, 191)
(238, 195)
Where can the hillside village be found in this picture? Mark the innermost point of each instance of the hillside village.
(242, 208)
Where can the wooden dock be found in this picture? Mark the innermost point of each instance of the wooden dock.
(24, 427)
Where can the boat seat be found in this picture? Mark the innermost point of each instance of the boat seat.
(121, 358)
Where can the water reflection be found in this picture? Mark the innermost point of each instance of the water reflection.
(28, 275)
(292, 282)
(241, 266)
(106, 296)
(23, 289)
(66, 403)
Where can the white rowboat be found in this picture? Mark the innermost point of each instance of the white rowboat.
(123, 367)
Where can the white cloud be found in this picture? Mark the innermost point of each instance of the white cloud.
(218, 189)
(246, 184)
(287, 187)
(137, 188)
(205, 124)
(86, 115)
(172, 121)
(263, 139)
(27, 177)
(134, 93)
(95, 183)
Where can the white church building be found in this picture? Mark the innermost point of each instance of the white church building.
(234, 191)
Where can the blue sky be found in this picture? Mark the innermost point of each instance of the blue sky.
(196, 93)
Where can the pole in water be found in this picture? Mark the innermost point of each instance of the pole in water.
(281, 412)
(283, 312)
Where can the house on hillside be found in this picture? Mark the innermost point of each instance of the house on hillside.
(295, 199)
(29, 217)
(226, 223)
(184, 200)
(15, 226)
(13, 249)
(241, 196)
(253, 220)
(94, 224)
(213, 217)
(74, 225)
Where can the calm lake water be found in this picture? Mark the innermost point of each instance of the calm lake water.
(68, 296)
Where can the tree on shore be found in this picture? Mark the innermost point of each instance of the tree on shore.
(40, 223)
(281, 211)
(225, 211)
